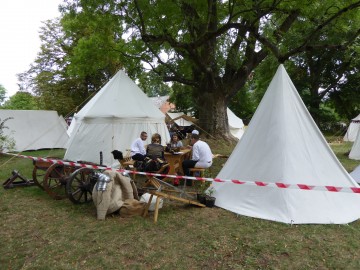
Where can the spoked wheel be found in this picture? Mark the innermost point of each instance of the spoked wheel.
(39, 172)
(55, 180)
(38, 176)
(80, 185)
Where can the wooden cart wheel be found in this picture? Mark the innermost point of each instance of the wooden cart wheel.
(38, 177)
(55, 180)
(80, 185)
(39, 171)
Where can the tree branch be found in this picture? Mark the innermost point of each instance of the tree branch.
(309, 38)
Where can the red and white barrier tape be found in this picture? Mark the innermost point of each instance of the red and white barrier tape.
(238, 182)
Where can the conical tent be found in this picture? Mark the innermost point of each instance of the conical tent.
(113, 119)
(283, 144)
(355, 149)
(35, 129)
(353, 129)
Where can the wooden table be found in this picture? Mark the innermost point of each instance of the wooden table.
(172, 159)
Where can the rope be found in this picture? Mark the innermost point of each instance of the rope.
(280, 185)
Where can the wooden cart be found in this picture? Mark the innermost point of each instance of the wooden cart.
(61, 181)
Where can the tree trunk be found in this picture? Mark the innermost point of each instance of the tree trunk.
(213, 117)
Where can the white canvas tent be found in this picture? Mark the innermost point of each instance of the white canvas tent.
(283, 144)
(355, 149)
(236, 125)
(72, 125)
(35, 129)
(159, 101)
(179, 119)
(353, 129)
(355, 174)
(112, 120)
(63, 123)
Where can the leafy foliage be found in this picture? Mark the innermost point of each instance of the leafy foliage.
(346, 97)
(206, 49)
(6, 141)
(213, 47)
(21, 101)
(2, 94)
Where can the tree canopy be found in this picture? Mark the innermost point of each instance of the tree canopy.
(208, 50)
(21, 101)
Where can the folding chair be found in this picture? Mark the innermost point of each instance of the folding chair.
(127, 162)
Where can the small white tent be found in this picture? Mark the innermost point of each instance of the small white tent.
(283, 144)
(179, 120)
(236, 125)
(159, 101)
(35, 129)
(112, 120)
(353, 129)
(355, 149)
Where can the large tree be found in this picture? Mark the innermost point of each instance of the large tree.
(207, 49)
(213, 46)
(72, 64)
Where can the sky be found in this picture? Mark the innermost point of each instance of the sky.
(20, 23)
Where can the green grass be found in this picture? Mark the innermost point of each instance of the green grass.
(38, 232)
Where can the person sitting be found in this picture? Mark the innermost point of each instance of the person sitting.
(201, 155)
(175, 142)
(155, 149)
(138, 151)
(155, 157)
(196, 132)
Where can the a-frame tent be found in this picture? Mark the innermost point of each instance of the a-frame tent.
(283, 144)
(180, 119)
(112, 120)
(35, 129)
(236, 124)
(355, 149)
(353, 129)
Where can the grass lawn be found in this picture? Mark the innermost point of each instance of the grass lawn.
(38, 232)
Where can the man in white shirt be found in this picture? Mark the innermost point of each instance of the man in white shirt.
(138, 151)
(201, 155)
